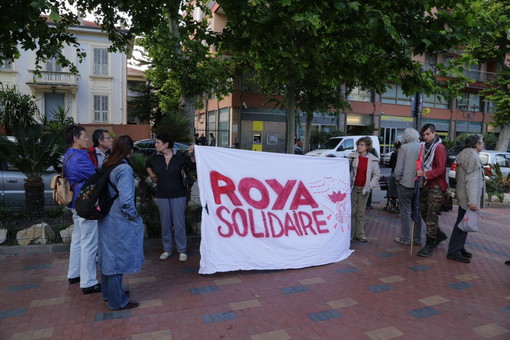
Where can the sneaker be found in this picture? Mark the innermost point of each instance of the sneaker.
(165, 255)
(183, 257)
(427, 250)
(458, 258)
(90, 290)
(402, 242)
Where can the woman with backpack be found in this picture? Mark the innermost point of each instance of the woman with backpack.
(121, 230)
(164, 169)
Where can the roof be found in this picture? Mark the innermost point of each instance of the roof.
(134, 71)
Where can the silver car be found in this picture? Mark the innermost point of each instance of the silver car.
(12, 186)
(488, 158)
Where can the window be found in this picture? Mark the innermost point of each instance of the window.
(100, 108)
(100, 62)
(347, 144)
(469, 102)
(5, 65)
(435, 101)
(359, 95)
(52, 66)
(430, 61)
(222, 137)
(473, 72)
(394, 95)
(501, 160)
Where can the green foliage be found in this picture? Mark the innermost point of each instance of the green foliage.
(448, 143)
(58, 125)
(175, 124)
(498, 182)
(146, 106)
(56, 211)
(24, 25)
(320, 137)
(145, 191)
(33, 152)
(490, 139)
(499, 93)
(182, 65)
(306, 49)
(16, 108)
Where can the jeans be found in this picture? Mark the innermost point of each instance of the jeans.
(405, 197)
(171, 213)
(112, 291)
(458, 238)
(83, 251)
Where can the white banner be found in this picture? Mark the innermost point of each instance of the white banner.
(271, 211)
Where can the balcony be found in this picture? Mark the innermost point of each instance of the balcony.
(65, 78)
(54, 81)
(473, 74)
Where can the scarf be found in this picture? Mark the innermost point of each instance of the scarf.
(428, 153)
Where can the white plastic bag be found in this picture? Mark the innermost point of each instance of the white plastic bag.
(469, 222)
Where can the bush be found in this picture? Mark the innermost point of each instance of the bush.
(320, 137)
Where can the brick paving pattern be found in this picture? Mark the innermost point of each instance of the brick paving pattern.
(379, 292)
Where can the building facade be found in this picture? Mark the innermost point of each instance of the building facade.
(97, 95)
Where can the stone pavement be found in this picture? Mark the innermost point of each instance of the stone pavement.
(379, 292)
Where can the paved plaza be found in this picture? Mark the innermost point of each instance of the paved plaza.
(379, 292)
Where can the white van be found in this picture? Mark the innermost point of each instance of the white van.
(342, 146)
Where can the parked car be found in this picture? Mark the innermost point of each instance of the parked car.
(12, 185)
(148, 146)
(488, 158)
(342, 146)
(452, 153)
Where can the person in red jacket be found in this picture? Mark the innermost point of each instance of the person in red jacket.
(434, 187)
(101, 149)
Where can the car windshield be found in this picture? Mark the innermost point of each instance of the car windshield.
(330, 144)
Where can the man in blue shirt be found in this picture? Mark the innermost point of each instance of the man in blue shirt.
(77, 168)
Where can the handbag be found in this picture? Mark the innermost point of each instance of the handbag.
(187, 178)
(62, 191)
(469, 222)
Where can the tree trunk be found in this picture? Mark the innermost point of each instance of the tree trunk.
(504, 138)
(291, 115)
(34, 197)
(186, 102)
(187, 107)
(308, 132)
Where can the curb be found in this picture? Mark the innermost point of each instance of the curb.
(63, 248)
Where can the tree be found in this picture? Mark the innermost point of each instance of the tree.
(493, 44)
(182, 64)
(33, 152)
(146, 105)
(17, 109)
(499, 93)
(304, 49)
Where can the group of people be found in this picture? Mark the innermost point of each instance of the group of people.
(117, 239)
(420, 178)
(203, 141)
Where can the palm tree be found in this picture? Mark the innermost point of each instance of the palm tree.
(33, 152)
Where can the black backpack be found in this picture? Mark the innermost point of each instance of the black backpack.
(93, 202)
